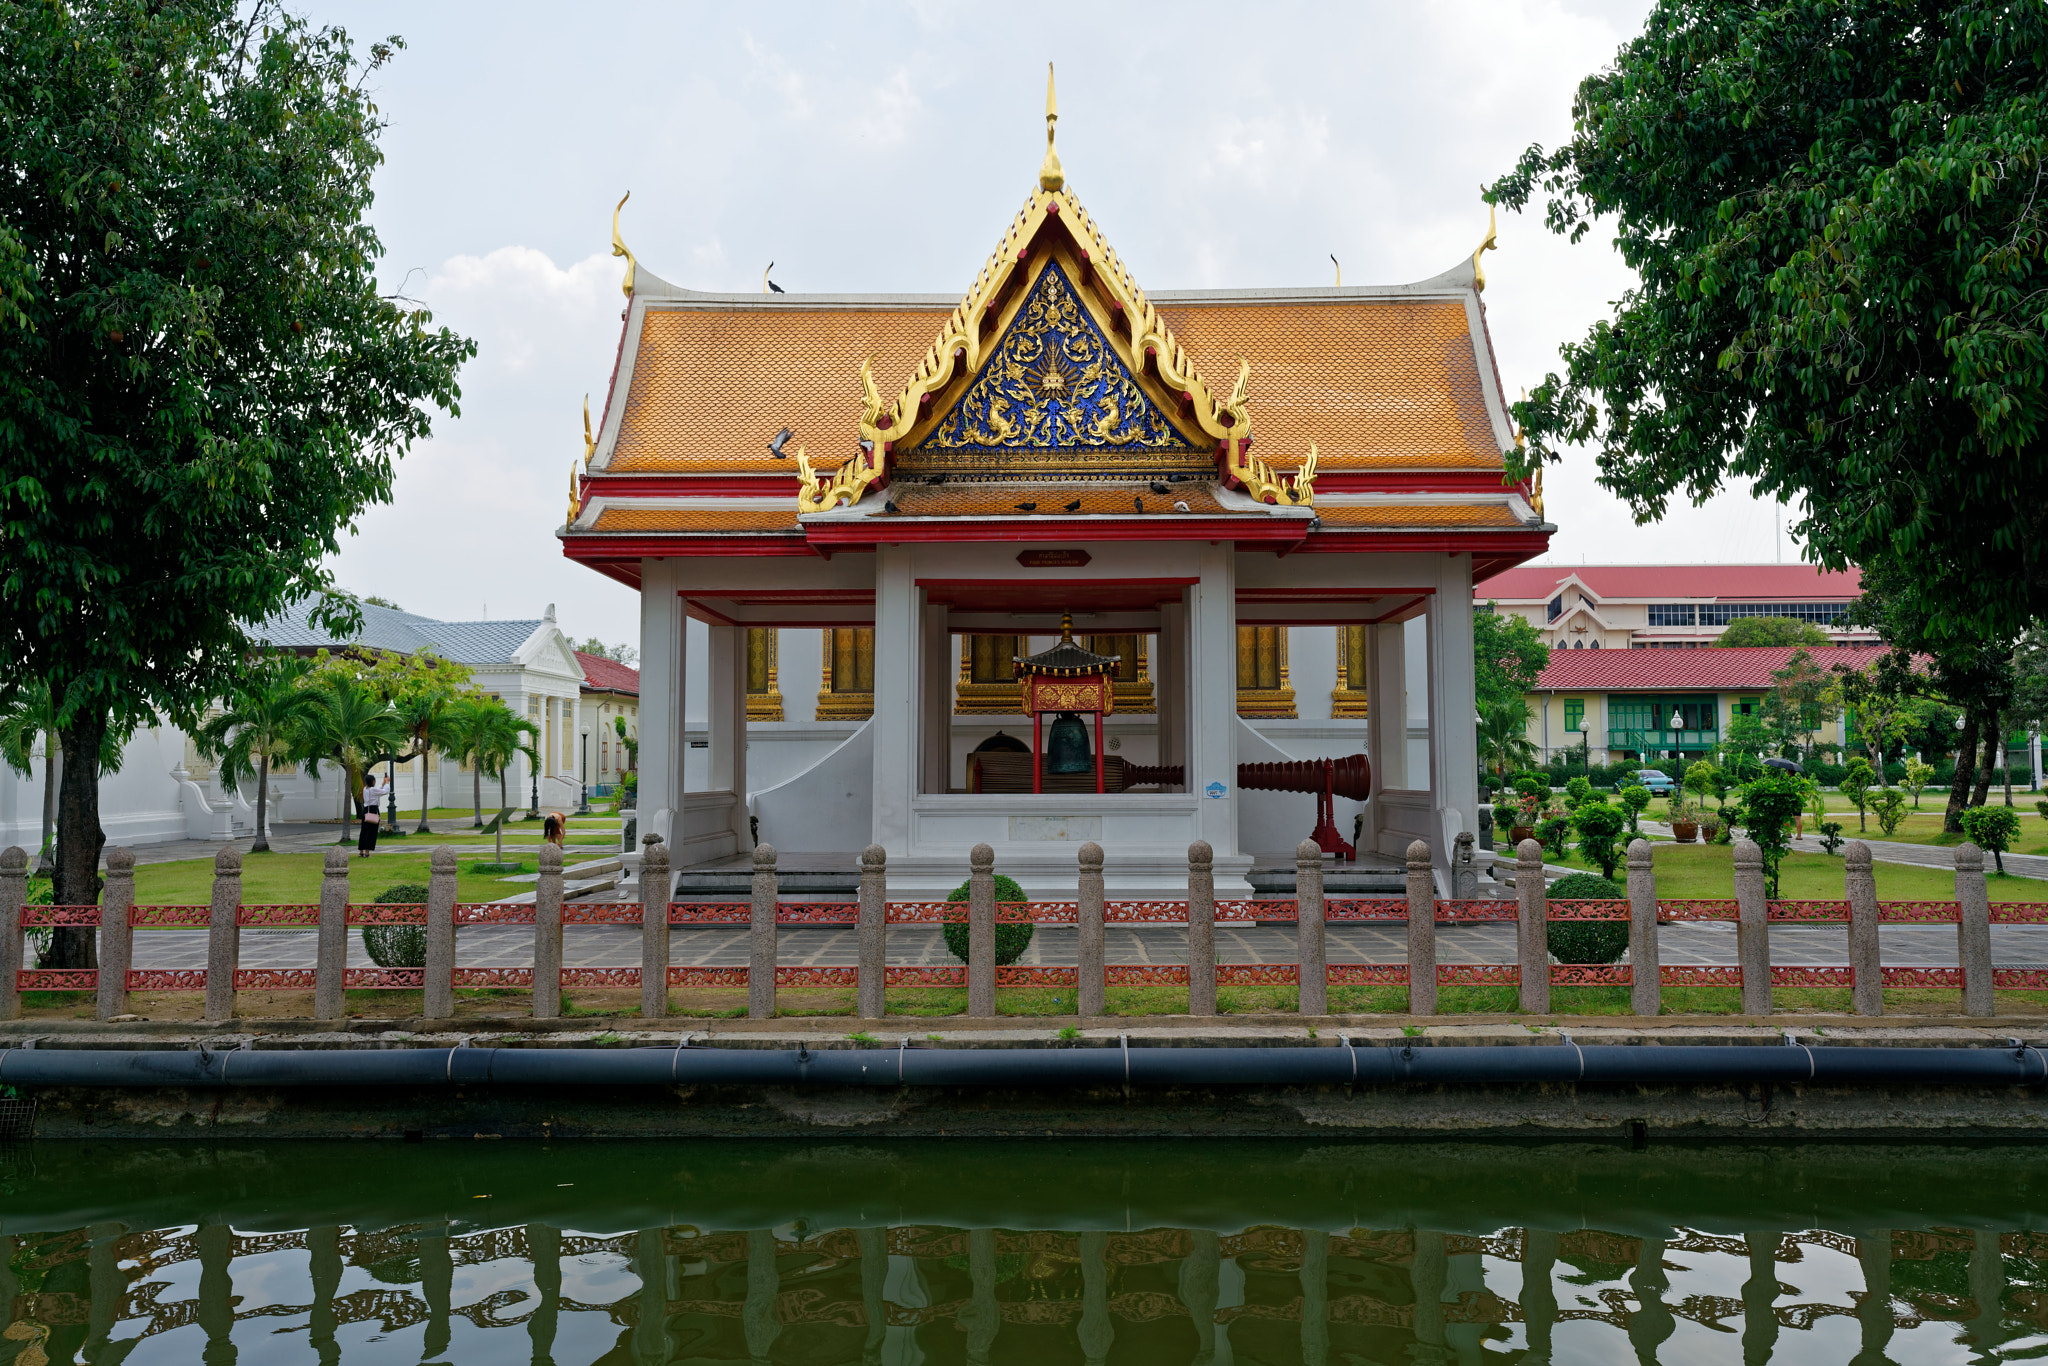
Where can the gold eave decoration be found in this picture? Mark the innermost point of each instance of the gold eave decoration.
(960, 348)
(619, 247)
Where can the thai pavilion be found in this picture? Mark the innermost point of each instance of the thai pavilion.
(925, 485)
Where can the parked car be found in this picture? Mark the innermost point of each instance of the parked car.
(1659, 784)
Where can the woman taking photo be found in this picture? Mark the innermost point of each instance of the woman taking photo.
(374, 793)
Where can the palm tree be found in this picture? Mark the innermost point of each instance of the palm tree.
(1504, 735)
(269, 719)
(353, 725)
(31, 715)
(423, 719)
(460, 732)
(500, 737)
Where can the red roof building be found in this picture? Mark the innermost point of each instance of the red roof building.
(608, 675)
(611, 693)
(1616, 606)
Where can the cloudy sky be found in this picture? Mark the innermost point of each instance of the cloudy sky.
(885, 147)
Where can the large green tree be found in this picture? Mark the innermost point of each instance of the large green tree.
(1747, 631)
(1507, 654)
(1836, 213)
(200, 380)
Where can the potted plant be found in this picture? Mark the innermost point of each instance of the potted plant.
(1685, 825)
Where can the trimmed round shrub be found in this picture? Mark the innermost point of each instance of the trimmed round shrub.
(397, 946)
(1587, 941)
(1011, 940)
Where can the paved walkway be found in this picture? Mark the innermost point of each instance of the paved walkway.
(494, 946)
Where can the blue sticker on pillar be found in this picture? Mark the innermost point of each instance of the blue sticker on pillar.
(1215, 790)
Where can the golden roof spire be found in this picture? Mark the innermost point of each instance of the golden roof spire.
(619, 248)
(1478, 271)
(1050, 176)
(589, 442)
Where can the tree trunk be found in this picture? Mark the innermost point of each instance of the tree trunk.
(1989, 740)
(476, 774)
(79, 839)
(426, 766)
(1959, 784)
(504, 805)
(262, 844)
(45, 867)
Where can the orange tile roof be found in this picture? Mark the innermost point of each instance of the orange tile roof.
(711, 387)
(1375, 385)
(697, 519)
(1003, 500)
(1419, 514)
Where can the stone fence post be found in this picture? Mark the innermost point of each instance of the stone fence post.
(1201, 929)
(1752, 928)
(1091, 995)
(1421, 932)
(13, 892)
(1646, 994)
(761, 936)
(547, 934)
(981, 932)
(1973, 929)
(1311, 950)
(223, 935)
(872, 976)
(117, 936)
(654, 931)
(1532, 928)
(439, 996)
(330, 945)
(1866, 971)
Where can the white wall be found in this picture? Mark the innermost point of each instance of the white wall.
(138, 805)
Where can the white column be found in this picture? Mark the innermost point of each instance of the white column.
(2034, 755)
(1212, 695)
(1453, 724)
(938, 655)
(897, 674)
(1170, 683)
(661, 702)
(1387, 708)
(726, 725)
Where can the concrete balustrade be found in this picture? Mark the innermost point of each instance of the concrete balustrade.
(1311, 910)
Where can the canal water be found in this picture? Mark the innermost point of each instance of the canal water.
(1128, 1253)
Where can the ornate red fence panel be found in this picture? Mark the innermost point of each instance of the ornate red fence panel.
(367, 913)
(601, 913)
(2020, 979)
(278, 917)
(1276, 911)
(1697, 910)
(1910, 978)
(170, 917)
(709, 913)
(57, 979)
(1366, 908)
(1258, 974)
(1591, 974)
(53, 916)
(817, 913)
(1368, 974)
(1458, 912)
(600, 977)
(1144, 975)
(1478, 975)
(925, 977)
(384, 979)
(1813, 977)
(1698, 975)
(497, 913)
(2019, 912)
(493, 977)
(1145, 913)
(1919, 912)
(1589, 910)
(274, 979)
(707, 977)
(816, 977)
(1807, 912)
(1022, 975)
(926, 912)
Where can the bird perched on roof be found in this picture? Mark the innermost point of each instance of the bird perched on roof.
(1027, 507)
(1179, 506)
(1159, 486)
(890, 506)
(1074, 506)
(775, 446)
(768, 286)
(1138, 503)
(1177, 478)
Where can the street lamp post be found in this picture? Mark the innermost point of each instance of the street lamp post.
(1677, 724)
(1586, 745)
(583, 780)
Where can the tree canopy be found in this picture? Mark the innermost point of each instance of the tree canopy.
(1835, 211)
(1771, 631)
(1507, 654)
(200, 381)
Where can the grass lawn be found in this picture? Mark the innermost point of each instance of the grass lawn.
(281, 878)
(1687, 871)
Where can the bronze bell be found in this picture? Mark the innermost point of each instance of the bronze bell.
(1066, 748)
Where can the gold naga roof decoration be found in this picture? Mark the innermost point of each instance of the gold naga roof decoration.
(1013, 279)
(619, 247)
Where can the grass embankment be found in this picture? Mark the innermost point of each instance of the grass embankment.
(1707, 871)
(277, 879)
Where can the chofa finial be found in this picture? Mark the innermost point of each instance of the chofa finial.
(1478, 271)
(1050, 176)
(589, 442)
(619, 247)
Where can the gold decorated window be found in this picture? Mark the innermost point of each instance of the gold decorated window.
(1348, 697)
(848, 691)
(764, 695)
(1133, 686)
(988, 676)
(1262, 686)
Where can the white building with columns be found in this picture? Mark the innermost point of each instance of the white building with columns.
(1055, 441)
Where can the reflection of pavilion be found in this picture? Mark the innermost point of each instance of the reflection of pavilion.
(1056, 449)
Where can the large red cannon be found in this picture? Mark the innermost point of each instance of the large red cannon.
(1350, 776)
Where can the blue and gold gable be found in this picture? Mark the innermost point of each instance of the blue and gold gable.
(1053, 392)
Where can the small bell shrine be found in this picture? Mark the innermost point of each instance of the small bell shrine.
(945, 488)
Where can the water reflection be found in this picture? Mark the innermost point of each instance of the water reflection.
(1009, 1253)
